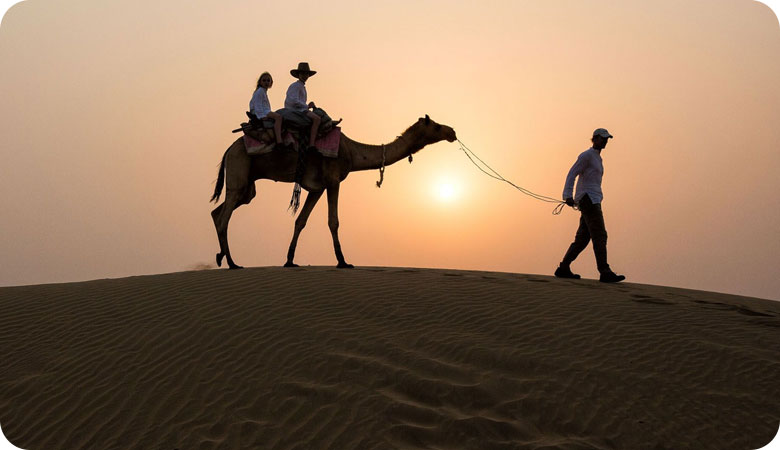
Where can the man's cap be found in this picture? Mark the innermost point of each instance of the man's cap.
(602, 132)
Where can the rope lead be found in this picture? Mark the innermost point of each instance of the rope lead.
(467, 151)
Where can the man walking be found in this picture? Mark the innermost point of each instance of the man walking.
(589, 169)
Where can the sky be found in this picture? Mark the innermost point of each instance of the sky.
(115, 116)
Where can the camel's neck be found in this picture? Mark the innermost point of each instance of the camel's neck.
(371, 157)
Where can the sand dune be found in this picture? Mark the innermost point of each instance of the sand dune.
(381, 358)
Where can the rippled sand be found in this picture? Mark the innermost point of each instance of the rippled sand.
(317, 357)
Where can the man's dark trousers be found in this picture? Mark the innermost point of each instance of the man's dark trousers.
(591, 228)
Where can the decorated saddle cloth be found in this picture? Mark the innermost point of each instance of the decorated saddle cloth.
(262, 143)
(259, 137)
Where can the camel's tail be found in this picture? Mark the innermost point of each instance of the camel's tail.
(220, 180)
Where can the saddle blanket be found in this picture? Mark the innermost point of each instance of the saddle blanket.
(327, 145)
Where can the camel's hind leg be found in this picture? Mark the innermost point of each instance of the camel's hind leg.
(300, 222)
(221, 216)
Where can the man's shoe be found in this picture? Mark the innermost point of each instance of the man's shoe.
(611, 277)
(562, 272)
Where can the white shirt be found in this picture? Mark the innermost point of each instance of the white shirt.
(259, 105)
(590, 169)
(296, 97)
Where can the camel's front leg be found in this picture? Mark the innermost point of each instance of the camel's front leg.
(333, 224)
(300, 222)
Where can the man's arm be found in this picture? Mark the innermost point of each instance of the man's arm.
(574, 172)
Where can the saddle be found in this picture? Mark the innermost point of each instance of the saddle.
(263, 129)
(259, 138)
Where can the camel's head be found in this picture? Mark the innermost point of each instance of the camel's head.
(434, 132)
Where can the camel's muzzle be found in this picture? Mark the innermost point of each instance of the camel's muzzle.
(451, 136)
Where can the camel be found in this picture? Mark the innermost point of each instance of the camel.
(238, 172)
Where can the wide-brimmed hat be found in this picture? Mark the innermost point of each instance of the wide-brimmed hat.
(302, 67)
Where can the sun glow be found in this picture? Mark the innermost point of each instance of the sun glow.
(446, 191)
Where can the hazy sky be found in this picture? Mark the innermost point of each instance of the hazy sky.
(115, 115)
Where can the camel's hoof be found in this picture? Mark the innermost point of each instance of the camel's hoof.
(290, 264)
(235, 267)
(343, 265)
(219, 259)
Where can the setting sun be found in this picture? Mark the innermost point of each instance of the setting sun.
(446, 191)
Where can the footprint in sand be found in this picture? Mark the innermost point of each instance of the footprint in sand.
(648, 299)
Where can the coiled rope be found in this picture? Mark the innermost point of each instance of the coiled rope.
(493, 174)
(382, 169)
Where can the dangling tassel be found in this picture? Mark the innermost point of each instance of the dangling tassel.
(295, 201)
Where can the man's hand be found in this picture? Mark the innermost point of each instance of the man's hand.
(570, 202)
(312, 105)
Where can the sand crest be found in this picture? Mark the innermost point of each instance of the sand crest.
(384, 358)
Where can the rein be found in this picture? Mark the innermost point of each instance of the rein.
(559, 204)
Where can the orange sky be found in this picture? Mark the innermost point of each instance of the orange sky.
(115, 116)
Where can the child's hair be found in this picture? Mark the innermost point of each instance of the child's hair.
(261, 77)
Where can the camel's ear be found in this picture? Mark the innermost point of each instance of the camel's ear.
(427, 119)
